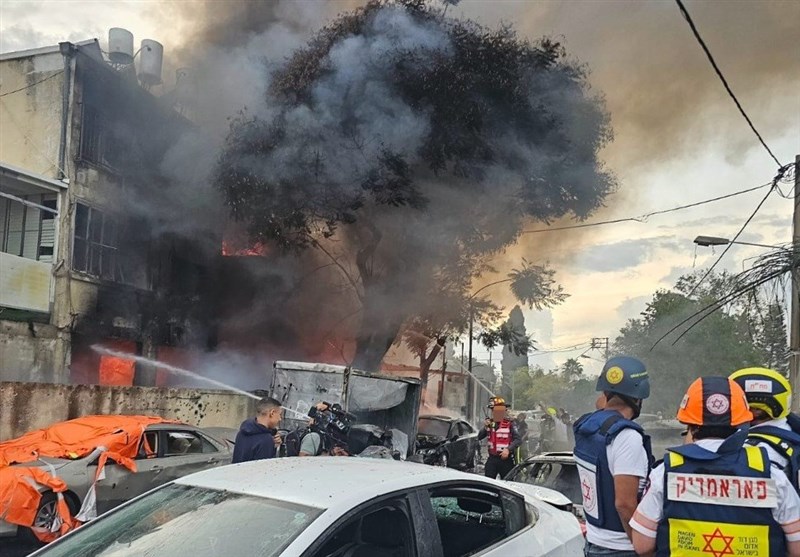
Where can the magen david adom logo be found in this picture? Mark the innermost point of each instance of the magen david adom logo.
(718, 404)
(614, 375)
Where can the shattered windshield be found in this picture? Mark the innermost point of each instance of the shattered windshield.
(433, 427)
(183, 520)
(558, 476)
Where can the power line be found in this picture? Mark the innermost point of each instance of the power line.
(537, 351)
(645, 216)
(575, 348)
(773, 186)
(700, 40)
(34, 84)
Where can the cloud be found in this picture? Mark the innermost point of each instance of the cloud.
(674, 274)
(633, 307)
(771, 220)
(23, 37)
(621, 255)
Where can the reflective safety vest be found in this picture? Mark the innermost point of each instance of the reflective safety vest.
(499, 437)
(786, 443)
(719, 503)
(593, 433)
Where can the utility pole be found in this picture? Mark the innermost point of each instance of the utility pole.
(601, 343)
(444, 376)
(794, 325)
(470, 379)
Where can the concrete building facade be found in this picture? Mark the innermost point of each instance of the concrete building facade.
(79, 136)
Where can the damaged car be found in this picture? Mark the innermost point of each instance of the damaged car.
(56, 478)
(330, 507)
(556, 471)
(448, 442)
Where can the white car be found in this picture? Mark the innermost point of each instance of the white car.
(330, 507)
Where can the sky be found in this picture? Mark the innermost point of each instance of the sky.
(678, 136)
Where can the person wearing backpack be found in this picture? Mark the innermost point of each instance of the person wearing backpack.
(305, 441)
(614, 457)
(774, 428)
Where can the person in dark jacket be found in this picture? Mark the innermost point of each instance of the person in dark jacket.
(522, 428)
(258, 437)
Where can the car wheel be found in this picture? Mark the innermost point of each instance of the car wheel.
(45, 515)
(443, 460)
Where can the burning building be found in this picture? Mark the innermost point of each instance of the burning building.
(82, 144)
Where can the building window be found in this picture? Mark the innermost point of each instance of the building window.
(95, 244)
(26, 231)
(98, 142)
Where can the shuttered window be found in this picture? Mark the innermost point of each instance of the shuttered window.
(27, 231)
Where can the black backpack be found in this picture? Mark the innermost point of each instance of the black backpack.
(293, 440)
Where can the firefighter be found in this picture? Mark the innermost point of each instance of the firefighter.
(769, 395)
(722, 497)
(614, 457)
(504, 439)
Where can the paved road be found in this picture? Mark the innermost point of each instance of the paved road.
(12, 547)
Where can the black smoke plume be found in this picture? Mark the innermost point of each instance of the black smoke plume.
(406, 149)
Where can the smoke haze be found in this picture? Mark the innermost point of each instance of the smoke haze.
(661, 93)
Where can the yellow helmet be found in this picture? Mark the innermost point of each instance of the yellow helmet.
(766, 390)
(496, 401)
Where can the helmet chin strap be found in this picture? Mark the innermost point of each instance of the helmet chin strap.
(632, 403)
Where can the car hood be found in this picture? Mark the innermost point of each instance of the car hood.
(545, 494)
(429, 441)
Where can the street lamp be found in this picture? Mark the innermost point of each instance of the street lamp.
(470, 391)
(794, 325)
(707, 241)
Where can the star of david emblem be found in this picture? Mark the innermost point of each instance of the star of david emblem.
(717, 404)
(588, 495)
(718, 544)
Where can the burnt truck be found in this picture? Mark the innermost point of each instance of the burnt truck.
(379, 410)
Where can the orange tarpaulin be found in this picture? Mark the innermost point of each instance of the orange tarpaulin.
(79, 437)
(73, 439)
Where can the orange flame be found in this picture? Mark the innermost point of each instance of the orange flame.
(257, 249)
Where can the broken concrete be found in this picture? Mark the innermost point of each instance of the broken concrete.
(28, 406)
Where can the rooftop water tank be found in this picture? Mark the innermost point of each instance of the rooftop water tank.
(151, 58)
(120, 45)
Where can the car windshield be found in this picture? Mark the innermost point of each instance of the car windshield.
(433, 426)
(558, 476)
(180, 520)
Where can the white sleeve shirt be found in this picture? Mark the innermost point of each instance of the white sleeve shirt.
(651, 509)
(626, 455)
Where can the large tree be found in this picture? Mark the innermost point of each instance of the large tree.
(410, 148)
(678, 346)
